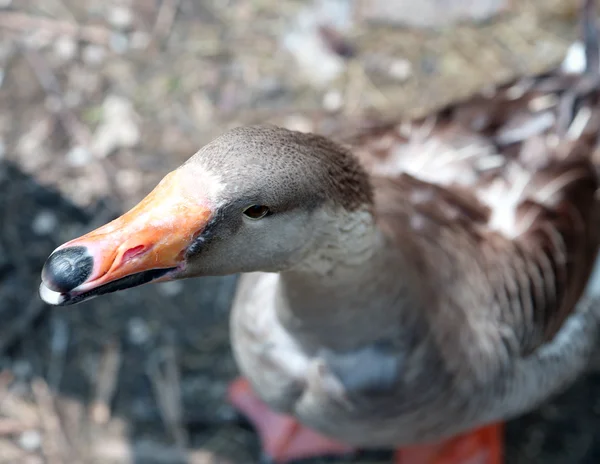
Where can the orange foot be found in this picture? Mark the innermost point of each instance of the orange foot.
(481, 446)
(283, 438)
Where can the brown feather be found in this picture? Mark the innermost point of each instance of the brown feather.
(501, 186)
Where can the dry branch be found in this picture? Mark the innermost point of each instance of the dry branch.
(55, 445)
(106, 383)
(23, 22)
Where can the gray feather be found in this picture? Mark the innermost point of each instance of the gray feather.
(373, 369)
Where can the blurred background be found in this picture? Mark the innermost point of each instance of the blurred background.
(98, 100)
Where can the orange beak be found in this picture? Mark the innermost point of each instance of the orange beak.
(144, 244)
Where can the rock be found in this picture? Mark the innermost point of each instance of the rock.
(170, 289)
(574, 62)
(396, 68)
(30, 440)
(119, 126)
(333, 101)
(319, 64)
(94, 55)
(44, 223)
(400, 69)
(139, 40)
(129, 181)
(120, 17)
(138, 332)
(119, 43)
(65, 48)
(79, 156)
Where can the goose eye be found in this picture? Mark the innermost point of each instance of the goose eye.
(256, 211)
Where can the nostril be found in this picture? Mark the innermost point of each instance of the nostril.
(68, 268)
(133, 252)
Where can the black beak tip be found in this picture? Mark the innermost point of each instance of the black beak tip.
(67, 268)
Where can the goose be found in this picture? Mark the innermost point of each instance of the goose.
(412, 285)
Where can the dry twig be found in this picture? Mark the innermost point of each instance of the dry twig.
(106, 383)
(23, 22)
(9, 426)
(77, 131)
(165, 19)
(55, 445)
(14, 423)
(167, 389)
(15, 408)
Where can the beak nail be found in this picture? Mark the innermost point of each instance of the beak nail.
(67, 268)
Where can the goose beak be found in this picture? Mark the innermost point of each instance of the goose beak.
(146, 244)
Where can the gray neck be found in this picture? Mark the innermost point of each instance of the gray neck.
(346, 292)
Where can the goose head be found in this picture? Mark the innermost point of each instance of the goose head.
(254, 199)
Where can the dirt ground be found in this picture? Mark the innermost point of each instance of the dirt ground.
(100, 99)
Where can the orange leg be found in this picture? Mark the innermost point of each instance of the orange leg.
(481, 446)
(283, 438)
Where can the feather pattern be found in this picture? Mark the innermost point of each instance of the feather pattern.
(506, 181)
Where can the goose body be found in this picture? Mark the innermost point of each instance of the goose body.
(402, 285)
(457, 300)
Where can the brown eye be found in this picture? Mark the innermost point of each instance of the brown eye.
(256, 211)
